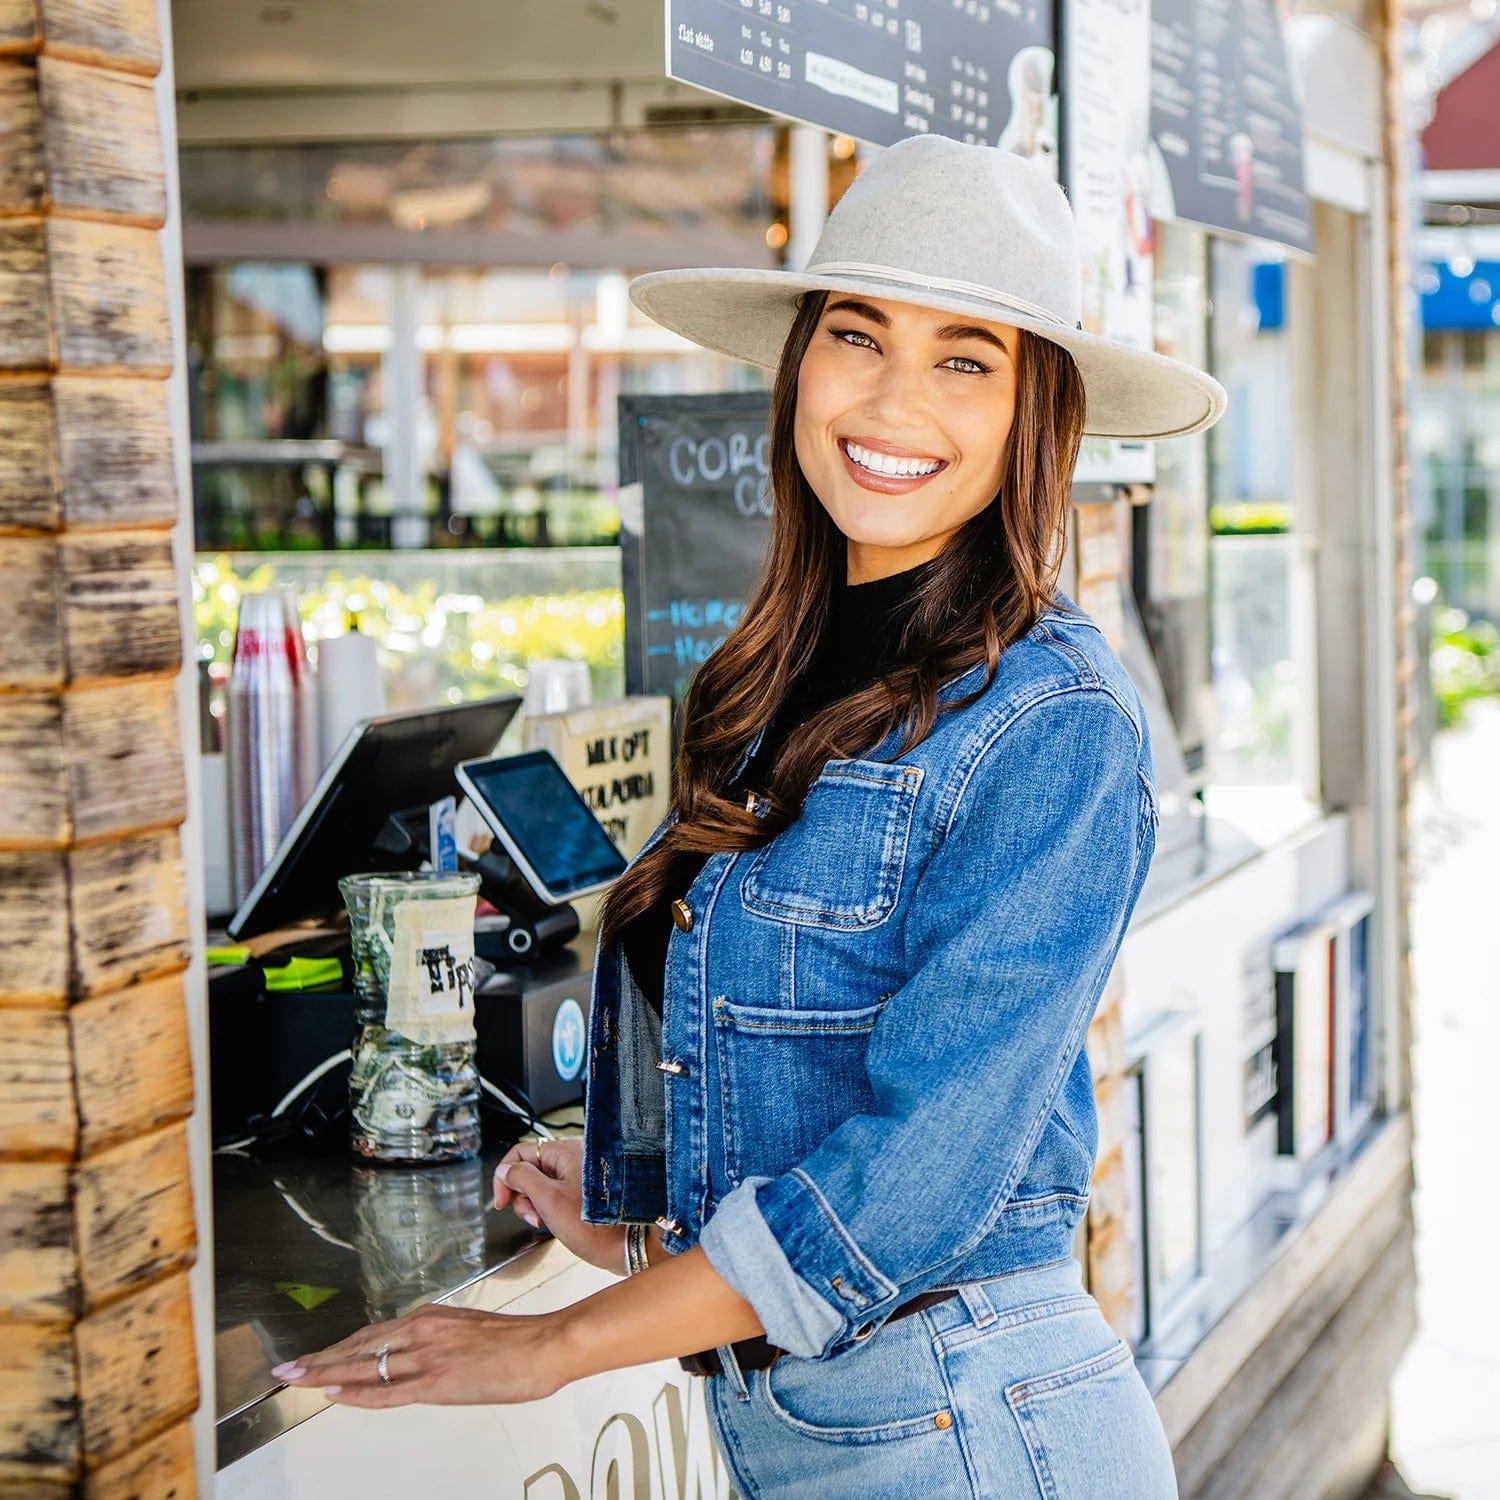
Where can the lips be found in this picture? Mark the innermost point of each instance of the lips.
(886, 468)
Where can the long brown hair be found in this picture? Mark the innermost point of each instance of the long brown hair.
(984, 590)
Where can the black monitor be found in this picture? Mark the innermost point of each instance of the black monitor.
(384, 765)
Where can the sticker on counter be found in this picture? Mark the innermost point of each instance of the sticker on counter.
(568, 1039)
(431, 995)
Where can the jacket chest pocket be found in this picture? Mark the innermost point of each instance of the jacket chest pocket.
(840, 864)
(788, 1079)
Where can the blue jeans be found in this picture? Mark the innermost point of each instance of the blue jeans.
(1013, 1390)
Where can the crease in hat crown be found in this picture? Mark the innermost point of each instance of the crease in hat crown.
(1008, 239)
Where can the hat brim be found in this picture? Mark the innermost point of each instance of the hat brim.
(746, 313)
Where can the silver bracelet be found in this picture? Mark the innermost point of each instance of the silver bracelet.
(635, 1249)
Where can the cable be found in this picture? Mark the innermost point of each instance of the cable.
(306, 1083)
(527, 1115)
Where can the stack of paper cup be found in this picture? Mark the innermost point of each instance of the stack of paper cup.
(270, 732)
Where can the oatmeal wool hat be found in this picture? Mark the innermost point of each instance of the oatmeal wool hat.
(963, 229)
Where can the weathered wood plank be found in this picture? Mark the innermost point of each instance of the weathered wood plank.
(137, 1369)
(114, 452)
(38, 1267)
(39, 1437)
(133, 1215)
(127, 910)
(159, 1470)
(38, 1116)
(26, 341)
(33, 928)
(1271, 1456)
(33, 773)
(120, 605)
(103, 148)
(29, 499)
(1217, 1432)
(112, 33)
(1111, 1272)
(124, 761)
(1110, 1111)
(133, 1068)
(109, 299)
(1226, 1347)
(20, 26)
(23, 174)
(1106, 1043)
(31, 648)
(1099, 542)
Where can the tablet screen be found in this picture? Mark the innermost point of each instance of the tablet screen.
(551, 825)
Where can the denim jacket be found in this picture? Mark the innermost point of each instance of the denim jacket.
(870, 1067)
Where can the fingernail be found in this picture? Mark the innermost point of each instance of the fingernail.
(533, 1221)
(289, 1371)
(500, 1173)
(332, 1390)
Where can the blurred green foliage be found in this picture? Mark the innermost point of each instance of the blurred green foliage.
(434, 646)
(1244, 518)
(1465, 663)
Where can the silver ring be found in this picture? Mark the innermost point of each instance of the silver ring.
(382, 1353)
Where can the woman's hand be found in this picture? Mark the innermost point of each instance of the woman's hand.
(543, 1182)
(439, 1356)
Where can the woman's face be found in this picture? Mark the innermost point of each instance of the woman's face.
(903, 417)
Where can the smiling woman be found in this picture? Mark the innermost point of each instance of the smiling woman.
(913, 812)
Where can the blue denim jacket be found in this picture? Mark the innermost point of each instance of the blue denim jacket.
(870, 1070)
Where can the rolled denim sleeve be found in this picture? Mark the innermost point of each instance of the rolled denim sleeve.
(1011, 932)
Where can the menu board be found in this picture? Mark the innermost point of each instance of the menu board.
(979, 71)
(1226, 124)
(695, 509)
(1106, 101)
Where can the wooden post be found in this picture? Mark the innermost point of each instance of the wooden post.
(97, 1366)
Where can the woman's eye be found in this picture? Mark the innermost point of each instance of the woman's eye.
(968, 366)
(853, 336)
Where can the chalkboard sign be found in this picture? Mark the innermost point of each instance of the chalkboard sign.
(695, 508)
(980, 71)
(1226, 125)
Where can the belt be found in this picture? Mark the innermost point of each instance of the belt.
(757, 1353)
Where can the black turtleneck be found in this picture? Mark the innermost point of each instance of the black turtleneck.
(859, 643)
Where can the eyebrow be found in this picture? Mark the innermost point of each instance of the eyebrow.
(948, 331)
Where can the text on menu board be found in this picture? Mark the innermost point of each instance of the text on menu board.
(1226, 122)
(696, 471)
(979, 71)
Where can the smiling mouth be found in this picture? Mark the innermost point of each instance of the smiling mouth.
(887, 473)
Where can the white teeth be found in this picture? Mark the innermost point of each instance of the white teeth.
(884, 463)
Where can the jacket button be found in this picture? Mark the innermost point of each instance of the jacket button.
(682, 915)
(864, 1331)
(675, 1068)
(944, 1420)
(669, 1226)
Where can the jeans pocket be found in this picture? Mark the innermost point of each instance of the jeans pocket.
(1092, 1431)
(888, 1388)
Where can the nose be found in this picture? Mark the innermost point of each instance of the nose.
(897, 399)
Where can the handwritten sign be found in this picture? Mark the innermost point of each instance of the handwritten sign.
(695, 510)
(618, 755)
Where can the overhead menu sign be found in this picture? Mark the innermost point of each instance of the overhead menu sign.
(695, 509)
(979, 71)
(1226, 124)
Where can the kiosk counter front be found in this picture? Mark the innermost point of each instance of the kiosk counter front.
(312, 1242)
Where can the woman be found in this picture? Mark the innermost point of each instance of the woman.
(836, 1046)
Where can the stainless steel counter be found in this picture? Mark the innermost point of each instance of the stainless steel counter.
(310, 1247)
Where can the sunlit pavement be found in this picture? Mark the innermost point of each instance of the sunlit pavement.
(1446, 1419)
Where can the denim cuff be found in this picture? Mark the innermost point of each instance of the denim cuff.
(741, 1248)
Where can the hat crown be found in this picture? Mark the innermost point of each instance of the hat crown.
(977, 218)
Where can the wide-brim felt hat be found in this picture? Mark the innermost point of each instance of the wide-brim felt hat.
(964, 229)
